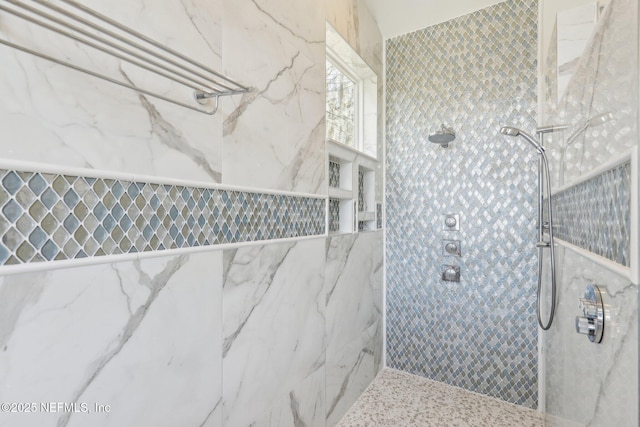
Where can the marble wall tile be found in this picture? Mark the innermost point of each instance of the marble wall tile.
(274, 331)
(143, 337)
(357, 26)
(147, 337)
(604, 81)
(302, 406)
(274, 136)
(55, 115)
(574, 28)
(589, 384)
(592, 384)
(353, 287)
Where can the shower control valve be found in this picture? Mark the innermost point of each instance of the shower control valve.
(450, 273)
(588, 307)
(591, 323)
(452, 222)
(451, 248)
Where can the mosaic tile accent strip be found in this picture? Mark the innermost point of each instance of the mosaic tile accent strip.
(473, 73)
(334, 215)
(379, 216)
(334, 174)
(595, 215)
(362, 206)
(47, 217)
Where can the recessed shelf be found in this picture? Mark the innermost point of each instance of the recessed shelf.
(339, 193)
(366, 216)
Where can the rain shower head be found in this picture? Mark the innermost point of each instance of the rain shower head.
(511, 131)
(443, 136)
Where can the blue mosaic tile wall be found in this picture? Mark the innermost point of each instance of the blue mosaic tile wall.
(474, 73)
(334, 215)
(334, 174)
(595, 215)
(362, 206)
(47, 217)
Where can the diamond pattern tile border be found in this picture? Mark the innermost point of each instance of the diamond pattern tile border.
(48, 217)
(595, 215)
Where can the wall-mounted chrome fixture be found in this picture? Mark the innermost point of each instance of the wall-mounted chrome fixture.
(451, 222)
(74, 21)
(596, 120)
(591, 323)
(451, 248)
(443, 136)
(450, 273)
(543, 176)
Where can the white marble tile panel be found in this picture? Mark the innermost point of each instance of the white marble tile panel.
(592, 384)
(303, 406)
(55, 115)
(274, 136)
(354, 318)
(143, 337)
(273, 322)
(574, 28)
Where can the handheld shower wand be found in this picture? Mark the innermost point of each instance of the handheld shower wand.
(543, 167)
(511, 131)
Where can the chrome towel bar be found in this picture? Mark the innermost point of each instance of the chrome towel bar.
(84, 25)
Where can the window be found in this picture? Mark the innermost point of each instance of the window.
(352, 97)
(341, 106)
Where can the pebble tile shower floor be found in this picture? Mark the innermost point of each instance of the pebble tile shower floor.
(398, 399)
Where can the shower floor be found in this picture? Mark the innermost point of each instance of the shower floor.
(396, 398)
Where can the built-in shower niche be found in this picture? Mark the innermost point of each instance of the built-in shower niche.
(366, 199)
(352, 183)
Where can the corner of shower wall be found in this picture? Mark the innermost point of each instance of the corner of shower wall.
(594, 175)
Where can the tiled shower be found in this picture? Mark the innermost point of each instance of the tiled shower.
(162, 267)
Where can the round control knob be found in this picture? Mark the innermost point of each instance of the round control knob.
(450, 222)
(451, 248)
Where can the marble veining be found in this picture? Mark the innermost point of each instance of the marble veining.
(274, 137)
(353, 288)
(608, 395)
(587, 384)
(396, 398)
(153, 338)
(274, 315)
(109, 334)
(63, 117)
